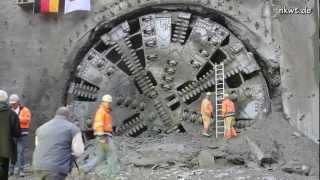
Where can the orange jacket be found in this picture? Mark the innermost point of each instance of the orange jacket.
(227, 107)
(24, 117)
(102, 121)
(206, 107)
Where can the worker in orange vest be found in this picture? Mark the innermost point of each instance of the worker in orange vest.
(22, 142)
(228, 113)
(206, 113)
(102, 126)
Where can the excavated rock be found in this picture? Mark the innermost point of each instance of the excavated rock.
(297, 168)
(262, 156)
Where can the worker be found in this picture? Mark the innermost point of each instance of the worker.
(57, 143)
(228, 113)
(102, 126)
(206, 113)
(22, 142)
(9, 130)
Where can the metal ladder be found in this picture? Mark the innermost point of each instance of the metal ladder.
(219, 93)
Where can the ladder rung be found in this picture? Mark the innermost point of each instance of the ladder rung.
(219, 92)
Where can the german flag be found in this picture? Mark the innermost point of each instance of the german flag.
(46, 6)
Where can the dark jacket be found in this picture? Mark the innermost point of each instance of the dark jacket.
(9, 129)
(54, 150)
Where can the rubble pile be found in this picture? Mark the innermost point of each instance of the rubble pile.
(269, 149)
(265, 150)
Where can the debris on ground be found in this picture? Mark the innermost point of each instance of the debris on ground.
(266, 150)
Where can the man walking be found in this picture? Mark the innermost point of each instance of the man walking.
(9, 129)
(206, 113)
(25, 119)
(228, 113)
(102, 127)
(58, 142)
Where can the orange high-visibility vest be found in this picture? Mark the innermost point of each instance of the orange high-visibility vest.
(228, 107)
(24, 117)
(102, 121)
(206, 107)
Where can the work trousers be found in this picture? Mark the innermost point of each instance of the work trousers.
(47, 175)
(228, 127)
(101, 155)
(206, 121)
(22, 144)
(4, 168)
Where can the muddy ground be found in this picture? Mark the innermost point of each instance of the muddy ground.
(268, 150)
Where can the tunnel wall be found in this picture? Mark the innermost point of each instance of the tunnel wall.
(36, 49)
(299, 41)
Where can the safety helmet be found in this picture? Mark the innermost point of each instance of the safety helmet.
(107, 98)
(226, 95)
(3, 95)
(14, 98)
(208, 93)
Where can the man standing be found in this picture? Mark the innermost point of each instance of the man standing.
(9, 129)
(102, 126)
(25, 119)
(228, 113)
(206, 113)
(58, 142)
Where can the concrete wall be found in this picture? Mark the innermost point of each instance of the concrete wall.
(34, 51)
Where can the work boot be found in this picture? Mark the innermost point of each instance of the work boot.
(205, 134)
(21, 174)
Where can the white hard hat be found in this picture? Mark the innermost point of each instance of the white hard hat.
(107, 98)
(208, 93)
(14, 98)
(226, 95)
(3, 95)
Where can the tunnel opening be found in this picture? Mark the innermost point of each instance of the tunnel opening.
(144, 74)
